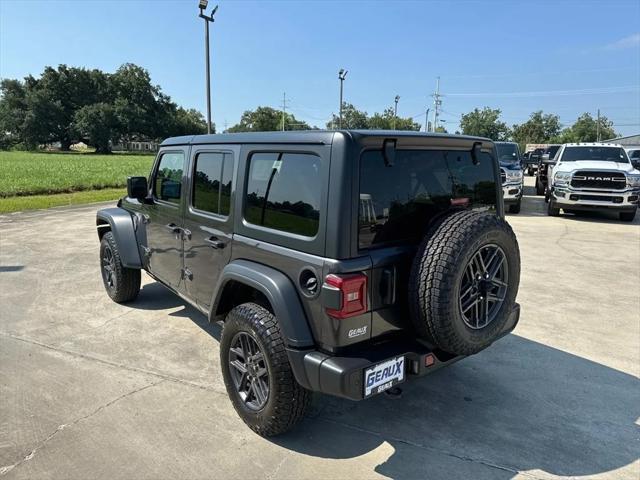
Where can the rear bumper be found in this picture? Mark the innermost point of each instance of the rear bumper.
(343, 376)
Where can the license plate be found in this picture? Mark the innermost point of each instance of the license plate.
(383, 376)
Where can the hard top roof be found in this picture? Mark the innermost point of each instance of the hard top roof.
(319, 137)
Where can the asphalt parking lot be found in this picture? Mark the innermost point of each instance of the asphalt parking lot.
(92, 389)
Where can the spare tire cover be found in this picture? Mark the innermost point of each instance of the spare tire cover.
(464, 281)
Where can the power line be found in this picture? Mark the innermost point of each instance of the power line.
(584, 91)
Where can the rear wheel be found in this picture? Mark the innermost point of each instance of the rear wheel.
(628, 216)
(257, 373)
(464, 281)
(539, 187)
(121, 283)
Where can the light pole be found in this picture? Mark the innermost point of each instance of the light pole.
(341, 75)
(395, 111)
(207, 19)
(426, 121)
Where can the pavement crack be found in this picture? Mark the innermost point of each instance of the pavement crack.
(7, 468)
(110, 363)
(481, 461)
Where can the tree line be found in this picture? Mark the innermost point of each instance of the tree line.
(69, 105)
(267, 119)
(539, 128)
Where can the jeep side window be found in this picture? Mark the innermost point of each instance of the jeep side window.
(212, 182)
(283, 192)
(167, 184)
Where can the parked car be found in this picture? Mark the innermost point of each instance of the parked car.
(511, 175)
(531, 163)
(339, 262)
(594, 176)
(546, 159)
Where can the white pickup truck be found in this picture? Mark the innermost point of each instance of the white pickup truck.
(593, 176)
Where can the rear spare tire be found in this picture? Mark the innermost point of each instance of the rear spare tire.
(464, 281)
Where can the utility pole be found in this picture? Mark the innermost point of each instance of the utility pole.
(341, 75)
(207, 19)
(426, 121)
(395, 111)
(284, 108)
(598, 127)
(436, 102)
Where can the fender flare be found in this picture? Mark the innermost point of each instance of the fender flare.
(121, 224)
(280, 292)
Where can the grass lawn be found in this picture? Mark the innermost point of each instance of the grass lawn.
(35, 173)
(33, 180)
(33, 202)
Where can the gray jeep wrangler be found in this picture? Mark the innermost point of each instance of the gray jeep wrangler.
(341, 262)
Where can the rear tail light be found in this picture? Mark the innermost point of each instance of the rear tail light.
(353, 294)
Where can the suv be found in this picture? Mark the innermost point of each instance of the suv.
(594, 176)
(511, 174)
(547, 158)
(339, 262)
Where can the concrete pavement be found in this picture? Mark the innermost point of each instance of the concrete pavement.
(92, 389)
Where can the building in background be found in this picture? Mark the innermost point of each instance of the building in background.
(628, 141)
(137, 146)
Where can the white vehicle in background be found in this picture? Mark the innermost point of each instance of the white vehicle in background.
(593, 176)
(511, 175)
(634, 156)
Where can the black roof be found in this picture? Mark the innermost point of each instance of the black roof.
(319, 137)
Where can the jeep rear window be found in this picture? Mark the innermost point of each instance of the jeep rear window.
(599, 154)
(398, 202)
(283, 192)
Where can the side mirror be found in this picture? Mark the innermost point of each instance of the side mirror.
(476, 152)
(137, 188)
(389, 152)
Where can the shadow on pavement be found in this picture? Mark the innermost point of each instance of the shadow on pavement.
(11, 268)
(519, 405)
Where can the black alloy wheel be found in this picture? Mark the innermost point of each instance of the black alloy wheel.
(249, 371)
(484, 286)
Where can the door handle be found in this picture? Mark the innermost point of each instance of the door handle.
(214, 242)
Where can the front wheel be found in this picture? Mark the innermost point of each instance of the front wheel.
(552, 210)
(257, 373)
(121, 283)
(515, 208)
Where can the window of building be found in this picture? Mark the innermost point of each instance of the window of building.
(283, 192)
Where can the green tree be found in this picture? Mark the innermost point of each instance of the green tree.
(386, 121)
(97, 125)
(540, 128)
(352, 118)
(585, 129)
(267, 119)
(53, 108)
(13, 110)
(485, 123)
